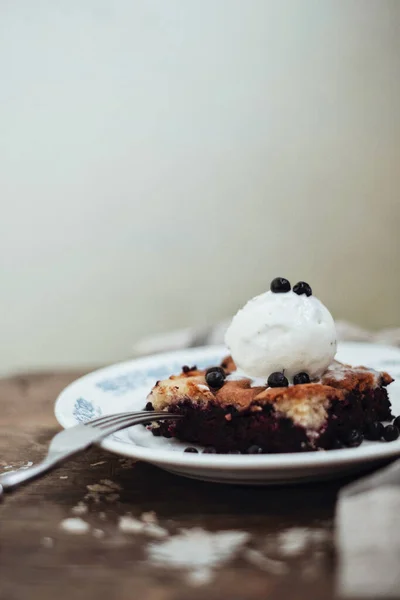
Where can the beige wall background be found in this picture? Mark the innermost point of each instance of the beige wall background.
(161, 161)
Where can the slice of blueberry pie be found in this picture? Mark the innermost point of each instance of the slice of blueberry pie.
(280, 390)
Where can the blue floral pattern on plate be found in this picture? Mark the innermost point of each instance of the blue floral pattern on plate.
(84, 410)
(120, 385)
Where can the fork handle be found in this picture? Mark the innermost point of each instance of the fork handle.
(8, 481)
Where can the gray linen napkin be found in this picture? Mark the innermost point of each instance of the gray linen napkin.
(191, 337)
(368, 536)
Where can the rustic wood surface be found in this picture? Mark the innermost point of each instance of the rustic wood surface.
(39, 560)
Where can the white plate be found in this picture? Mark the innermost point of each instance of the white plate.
(125, 387)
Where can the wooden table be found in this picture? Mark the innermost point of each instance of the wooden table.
(289, 554)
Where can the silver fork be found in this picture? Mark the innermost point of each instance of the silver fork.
(78, 438)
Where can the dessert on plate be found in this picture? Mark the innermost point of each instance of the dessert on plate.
(280, 389)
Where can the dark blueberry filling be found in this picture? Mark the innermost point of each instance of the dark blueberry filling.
(280, 285)
(373, 431)
(149, 406)
(338, 445)
(192, 450)
(263, 431)
(254, 450)
(209, 427)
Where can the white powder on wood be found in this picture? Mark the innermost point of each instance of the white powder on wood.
(128, 524)
(155, 530)
(12, 468)
(320, 536)
(47, 542)
(256, 558)
(199, 577)
(197, 551)
(98, 533)
(293, 541)
(79, 509)
(106, 490)
(104, 487)
(75, 526)
(111, 497)
(149, 517)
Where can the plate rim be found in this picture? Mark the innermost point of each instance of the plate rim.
(266, 462)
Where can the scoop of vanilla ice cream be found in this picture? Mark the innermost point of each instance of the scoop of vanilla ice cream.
(282, 332)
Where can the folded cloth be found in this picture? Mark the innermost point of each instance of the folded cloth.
(191, 337)
(368, 536)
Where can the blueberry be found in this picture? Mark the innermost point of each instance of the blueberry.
(156, 432)
(254, 450)
(302, 288)
(391, 433)
(373, 431)
(301, 378)
(215, 379)
(279, 285)
(193, 450)
(209, 450)
(337, 445)
(149, 406)
(354, 438)
(277, 380)
(396, 422)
